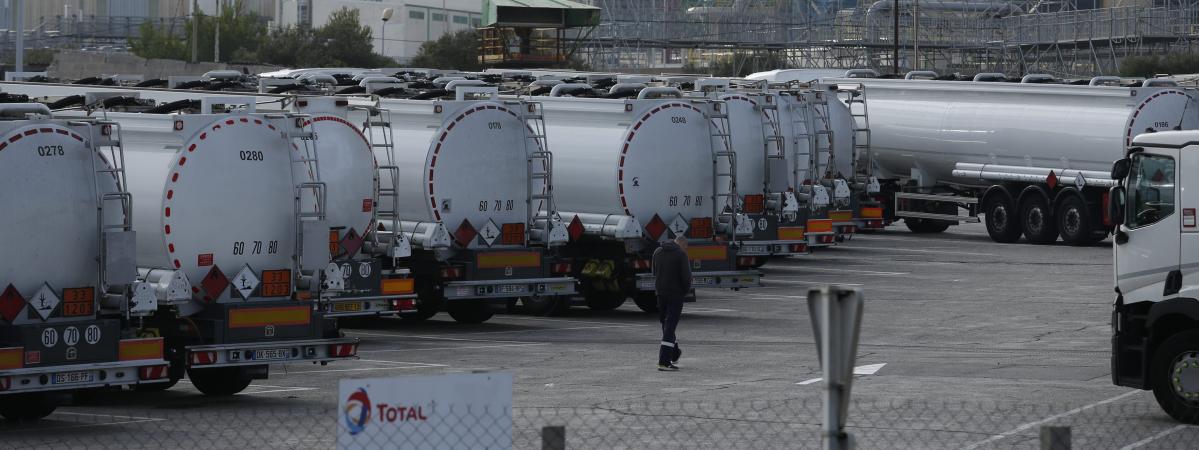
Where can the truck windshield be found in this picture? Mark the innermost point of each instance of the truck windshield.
(1150, 190)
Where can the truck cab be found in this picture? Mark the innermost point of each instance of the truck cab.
(1155, 319)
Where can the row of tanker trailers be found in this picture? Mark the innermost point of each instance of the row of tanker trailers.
(210, 226)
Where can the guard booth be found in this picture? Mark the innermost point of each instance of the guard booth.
(532, 33)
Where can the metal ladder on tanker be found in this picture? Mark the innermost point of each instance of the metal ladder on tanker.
(379, 136)
(108, 138)
(308, 159)
(861, 131)
(540, 166)
(772, 135)
(719, 128)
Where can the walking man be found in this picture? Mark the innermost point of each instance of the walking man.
(672, 272)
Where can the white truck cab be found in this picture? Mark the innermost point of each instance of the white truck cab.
(1155, 321)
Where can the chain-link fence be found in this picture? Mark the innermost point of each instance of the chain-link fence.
(1133, 421)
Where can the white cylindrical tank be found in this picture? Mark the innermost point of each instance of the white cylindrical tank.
(640, 158)
(461, 162)
(49, 230)
(211, 191)
(928, 126)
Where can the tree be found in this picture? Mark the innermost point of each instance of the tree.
(1148, 66)
(458, 50)
(154, 42)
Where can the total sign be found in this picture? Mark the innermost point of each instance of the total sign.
(420, 412)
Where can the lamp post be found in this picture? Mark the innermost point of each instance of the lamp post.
(383, 31)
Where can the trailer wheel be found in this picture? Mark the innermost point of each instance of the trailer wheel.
(27, 407)
(1037, 221)
(1003, 223)
(1175, 376)
(647, 301)
(428, 304)
(605, 301)
(760, 261)
(219, 381)
(1074, 222)
(470, 311)
(544, 306)
(925, 226)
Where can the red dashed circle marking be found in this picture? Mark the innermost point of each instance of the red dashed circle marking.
(1128, 131)
(629, 140)
(441, 140)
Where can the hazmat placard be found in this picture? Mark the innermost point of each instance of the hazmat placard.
(453, 411)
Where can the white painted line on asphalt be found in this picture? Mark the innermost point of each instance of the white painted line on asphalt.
(64, 413)
(426, 366)
(276, 391)
(827, 269)
(913, 250)
(707, 310)
(440, 338)
(775, 297)
(1143, 442)
(556, 329)
(394, 350)
(869, 369)
(550, 319)
(1030, 425)
(773, 280)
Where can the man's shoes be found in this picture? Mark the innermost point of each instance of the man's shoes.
(678, 353)
(668, 367)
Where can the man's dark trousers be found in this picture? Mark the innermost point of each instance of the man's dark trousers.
(670, 308)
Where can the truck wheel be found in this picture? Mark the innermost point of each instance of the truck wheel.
(1003, 223)
(647, 301)
(219, 381)
(469, 311)
(1074, 222)
(605, 301)
(545, 306)
(925, 226)
(27, 407)
(1175, 376)
(1037, 221)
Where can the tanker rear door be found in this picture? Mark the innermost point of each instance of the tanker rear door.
(1150, 253)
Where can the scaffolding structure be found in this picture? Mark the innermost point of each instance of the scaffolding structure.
(1066, 38)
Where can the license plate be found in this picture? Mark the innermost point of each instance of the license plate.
(82, 376)
(272, 353)
(703, 281)
(347, 307)
(510, 289)
(753, 249)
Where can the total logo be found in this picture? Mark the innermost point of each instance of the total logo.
(358, 412)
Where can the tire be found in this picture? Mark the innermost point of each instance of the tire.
(469, 311)
(1176, 349)
(427, 307)
(1074, 222)
(219, 381)
(27, 407)
(760, 261)
(605, 301)
(647, 301)
(925, 226)
(1002, 218)
(1036, 220)
(156, 387)
(545, 306)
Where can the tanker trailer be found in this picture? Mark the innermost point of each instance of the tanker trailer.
(481, 166)
(375, 279)
(64, 310)
(1033, 159)
(221, 200)
(635, 172)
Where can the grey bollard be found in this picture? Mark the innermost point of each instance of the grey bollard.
(553, 437)
(1055, 438)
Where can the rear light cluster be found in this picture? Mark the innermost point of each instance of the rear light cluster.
(202, 358)
(406, 304)
(5, 383)
(873, 224)
(451, 272)
(826, 239)
(799, 248)
(561, 268)
(641, 264)
(343, 350)
(848, 229)
(746, 261)
(701, 228)
(152, 373)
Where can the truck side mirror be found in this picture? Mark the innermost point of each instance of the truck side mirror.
(1115, 205)
(1120, 168)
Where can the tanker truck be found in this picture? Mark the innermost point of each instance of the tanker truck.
(1155, 317)
(231, 236)
(482, 166)
(1032, 159)
(70, 301)
(375, 277)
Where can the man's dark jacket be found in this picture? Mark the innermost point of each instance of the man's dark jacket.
(672, 270)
